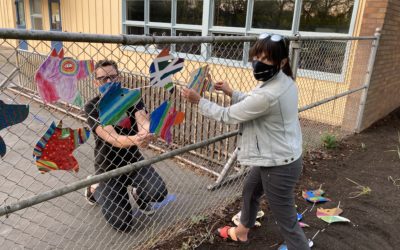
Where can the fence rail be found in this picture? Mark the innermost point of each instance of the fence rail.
(49, 211)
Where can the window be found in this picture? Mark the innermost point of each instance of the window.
(160, 32)
(192, 48)
(36, 14)
(232, 50)
(189, 11)
(273, 14)
(131, 30)
(230, 13)
(135, 10)
(160, 11)
(326, 16)
(20, 13)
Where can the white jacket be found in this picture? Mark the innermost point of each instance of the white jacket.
(270, 133)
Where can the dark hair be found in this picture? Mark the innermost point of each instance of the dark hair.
(104, 63)
(274, 52)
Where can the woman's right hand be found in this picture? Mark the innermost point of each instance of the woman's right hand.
(224, 87)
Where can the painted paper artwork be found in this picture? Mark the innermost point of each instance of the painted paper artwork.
(199, 80)
(162, 69)
(331, 215)
(58, 76)
(11, 114)
(54, 150)
(163, 118)
(315, 196)
(115, 102)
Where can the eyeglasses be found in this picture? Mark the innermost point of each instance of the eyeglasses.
(104, 79)
(272, 37)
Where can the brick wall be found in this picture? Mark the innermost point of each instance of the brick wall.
(384, 91)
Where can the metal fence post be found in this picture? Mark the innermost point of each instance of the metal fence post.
(370, 68)
(295, 47)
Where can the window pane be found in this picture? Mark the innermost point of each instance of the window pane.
(160, 11)
(160, 32)
(189, 11)
(191, 48)
(323, 56)
(135, 10)
(36, 6)
(131, 30)
(55, 22)
(37, 23)
(20, 13)
(230, 13)
(273, 14)
(231, 50)
(326, 15)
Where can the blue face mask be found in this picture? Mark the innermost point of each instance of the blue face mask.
(103, 88)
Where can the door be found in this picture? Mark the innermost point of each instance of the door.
(55, 21)
(21, 24)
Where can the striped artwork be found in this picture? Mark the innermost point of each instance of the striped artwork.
(54, 150)
(115, 102)
(199, 80)
(163, 118)
(162, 69)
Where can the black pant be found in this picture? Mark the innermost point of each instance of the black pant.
(113, 197)
(278, 184)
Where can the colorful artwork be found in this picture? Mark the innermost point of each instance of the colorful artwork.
(331, 215)
(163, 118)
(58, 76)
(302, 224)
(199, 80)
(54, 150)
(162, 69)
(315, 196)
(10, 114)
(115, 102)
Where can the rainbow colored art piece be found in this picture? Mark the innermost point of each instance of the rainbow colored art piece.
(115, 102)
(302, 224)
(163, 118)
(199, 80)
(331, 215)
(11, 114)
(314, 196)
(162, 69)
(54, 150)
(58, 76)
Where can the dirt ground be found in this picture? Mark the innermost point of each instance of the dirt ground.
(371, 159)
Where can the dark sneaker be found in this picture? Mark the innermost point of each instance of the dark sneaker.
(146, 209)
(89, 194)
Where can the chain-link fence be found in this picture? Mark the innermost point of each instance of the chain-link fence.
(185, 181)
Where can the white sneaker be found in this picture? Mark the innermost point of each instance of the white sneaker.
(133, 197)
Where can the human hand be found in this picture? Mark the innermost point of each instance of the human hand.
(224, 87)
(143, 138)
(190, 95)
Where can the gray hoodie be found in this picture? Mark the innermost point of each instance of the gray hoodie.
(269, 133)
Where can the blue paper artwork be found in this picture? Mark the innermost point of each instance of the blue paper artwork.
(11, 114)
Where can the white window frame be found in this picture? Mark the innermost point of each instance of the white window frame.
(35, 15)
(207, 28)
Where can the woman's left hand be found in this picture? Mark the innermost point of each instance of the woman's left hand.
(191, 96)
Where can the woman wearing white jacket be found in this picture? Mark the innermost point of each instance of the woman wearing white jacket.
(270, 139)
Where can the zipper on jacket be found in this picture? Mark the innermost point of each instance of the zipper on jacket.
(258, 147)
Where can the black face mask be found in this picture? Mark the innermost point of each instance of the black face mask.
(264, 72)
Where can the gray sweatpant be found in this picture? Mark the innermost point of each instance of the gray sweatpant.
(278, 184)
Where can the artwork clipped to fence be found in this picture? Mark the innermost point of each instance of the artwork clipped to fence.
(54, 150)
(162, 69)
(11, 114)
(57, 78)
(200, 80)
(163, 118)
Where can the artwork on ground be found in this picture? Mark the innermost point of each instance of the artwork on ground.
(200, 80)
(115, 102)
(331, 215)
(162, 69)
(163, 118)
(58, 76)
(11, 114)
(54, 150)
(315, 196)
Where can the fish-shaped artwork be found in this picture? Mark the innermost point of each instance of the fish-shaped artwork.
(54, 150)
(162, 69)
(199, 80)
(163, 118)
(58, 76)
(314, 196)
(331, 215)
(11, 114)
(115, 102)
